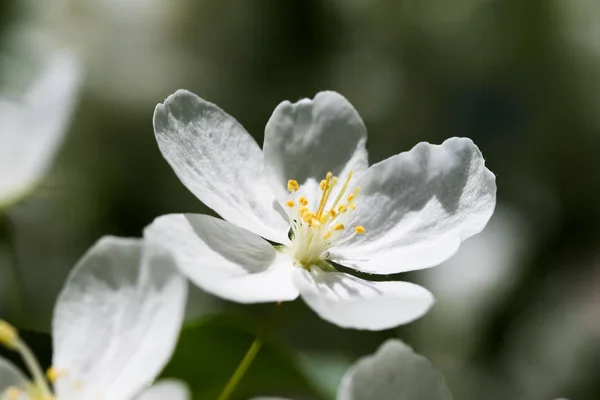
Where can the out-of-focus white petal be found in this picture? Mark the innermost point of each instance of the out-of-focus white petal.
(418, 206)
(218, 161)
(166, 389)
(10, 377)
(477, 279)
(394, 372)
(116, 321)
(32, 126)
(307, 139)
(351, 302)
(224, 259)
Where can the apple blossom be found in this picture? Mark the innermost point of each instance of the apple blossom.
(311, 191)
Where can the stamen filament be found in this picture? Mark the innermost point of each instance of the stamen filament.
(343, 190)
(34, 368)
(9, 337)
(326, 193)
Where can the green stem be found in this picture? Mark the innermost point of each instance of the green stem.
(249, 357)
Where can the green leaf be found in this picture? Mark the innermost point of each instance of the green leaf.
(210, 349)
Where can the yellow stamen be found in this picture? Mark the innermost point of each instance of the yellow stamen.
(360, 229)
(293, 185)
(352, 206)
(342, 208)
(8, 334)
(53, 374)
(323, 185)
(290, 203)
(327, 235)
(332, 213)
(326, 193)
(308, 214)
(303, 200)
(343, 190)
(350, 197)
(314, 222)
(338, 227)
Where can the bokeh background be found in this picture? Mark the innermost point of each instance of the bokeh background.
(518, 310)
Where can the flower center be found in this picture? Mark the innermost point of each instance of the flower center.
(316, 230)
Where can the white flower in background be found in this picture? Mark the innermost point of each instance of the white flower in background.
(394, 372)
(115, 325)
(474, 281)
(34, 120)
(126, 46)
(311, 191)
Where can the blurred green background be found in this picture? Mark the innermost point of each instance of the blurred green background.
(518, 310)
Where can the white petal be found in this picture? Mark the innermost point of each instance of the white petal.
(417, 207)
(307, 139)
(351, 302)
(116, 321)
(218, 161)
(224, 259)
(10, 376)
(33, 126)
(394, 372)
(167, 389)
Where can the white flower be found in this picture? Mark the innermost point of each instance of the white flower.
(394, 372)
(412, 210)
(33, 123)
(115, 325)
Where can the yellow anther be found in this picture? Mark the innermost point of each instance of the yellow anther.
(303, 200)
(342, 208)
(338, 227)
(327, 235)
(332, 213)
(352, 206)
(324, 218)
(308, 214)
(53, 374)
(8, 334)
(293, 185)
(12, 393)
(327, 188)
(290, 203)
(350, 197)
(360, 229)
